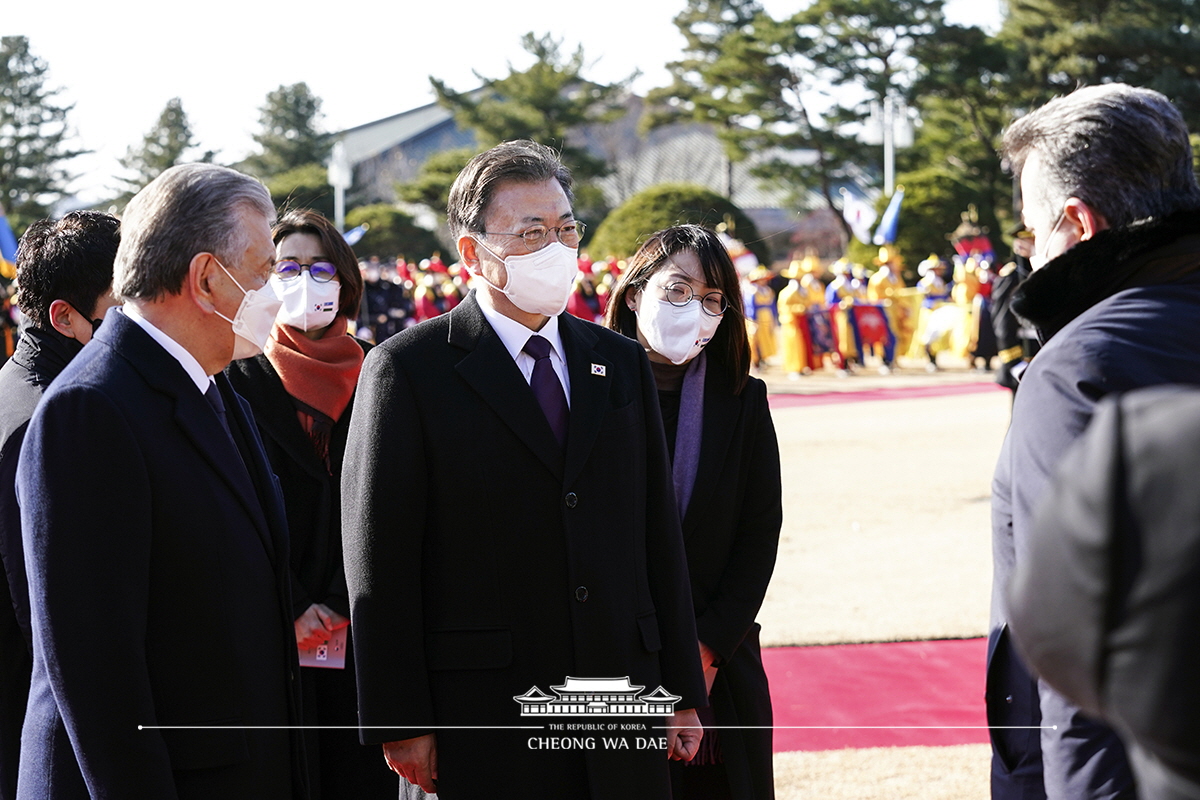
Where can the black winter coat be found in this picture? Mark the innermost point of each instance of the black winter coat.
(39, 358)
(731, 534)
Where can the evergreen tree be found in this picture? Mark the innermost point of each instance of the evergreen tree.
(290, 135)
(965, 104)
(551, 103)
(34, 136)
(709, 83)
(546, 103)
(1059, 44)
(432, 185)
(163, 147)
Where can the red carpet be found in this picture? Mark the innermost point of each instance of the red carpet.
(931, 686)
(905, 393)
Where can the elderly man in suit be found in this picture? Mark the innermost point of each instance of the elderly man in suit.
(153, 528)
(509, 518)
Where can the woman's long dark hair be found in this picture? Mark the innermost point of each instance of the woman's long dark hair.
(730, 346)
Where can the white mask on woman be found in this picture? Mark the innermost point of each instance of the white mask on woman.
(254, 318)
(677, 333)
(308, 304)
(539, 282)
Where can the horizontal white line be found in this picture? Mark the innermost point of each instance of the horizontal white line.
(543, 727)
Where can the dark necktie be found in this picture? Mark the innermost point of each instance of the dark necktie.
(547, 388)
(213, 396)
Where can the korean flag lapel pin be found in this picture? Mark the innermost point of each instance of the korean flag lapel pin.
(599, 369)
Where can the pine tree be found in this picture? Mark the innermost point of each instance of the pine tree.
(544, 103)
(290, 135)
(551, 103)
(1060, 44)
(163, 147)
(709, 83)
(34, 136)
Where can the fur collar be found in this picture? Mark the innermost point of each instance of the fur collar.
(1145, 253)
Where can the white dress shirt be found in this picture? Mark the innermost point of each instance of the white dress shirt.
(186, 360)
(514, 335)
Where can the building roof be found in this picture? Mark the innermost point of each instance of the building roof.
(597, 686)
(534, 695)
(371, 139)
(660, 695)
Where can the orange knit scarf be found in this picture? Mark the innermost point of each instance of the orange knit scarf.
(321, 373)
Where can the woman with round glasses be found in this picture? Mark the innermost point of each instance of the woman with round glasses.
(679, 297)
(301, 389)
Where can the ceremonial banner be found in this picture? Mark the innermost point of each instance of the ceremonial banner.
(870, 326)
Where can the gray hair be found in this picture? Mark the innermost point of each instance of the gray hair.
(521, 161)
(1122, 150)
(188, 209)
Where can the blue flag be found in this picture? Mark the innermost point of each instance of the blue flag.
(353, 235)
(889, 226)
(8, 248)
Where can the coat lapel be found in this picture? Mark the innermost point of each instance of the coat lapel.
(193, 414)
(589, 391)
(721, 411)
(490, 370)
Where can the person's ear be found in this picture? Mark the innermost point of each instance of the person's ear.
(468, 252)
(630, 301)
(1087, 219)
(66, 320)
(200, 281)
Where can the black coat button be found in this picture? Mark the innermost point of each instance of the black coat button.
(571, 500)
(581, 594)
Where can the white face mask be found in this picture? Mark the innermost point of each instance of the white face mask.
(538, 282)
(254, 318)
(308, 304)
(677, 333)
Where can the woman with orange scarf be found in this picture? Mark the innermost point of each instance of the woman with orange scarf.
(301, 390)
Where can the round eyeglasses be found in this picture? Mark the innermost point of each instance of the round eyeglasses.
(680, 294)
(569, 234)
(321, 271)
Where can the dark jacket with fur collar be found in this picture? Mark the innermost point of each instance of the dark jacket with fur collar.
(1148, 252)
(1117, 312)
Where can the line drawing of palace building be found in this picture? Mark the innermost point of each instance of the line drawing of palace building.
(608, 697)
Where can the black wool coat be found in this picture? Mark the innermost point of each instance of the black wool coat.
(1116, 312)
(1106, 608)
(483, 561)
(40, 356)
(731, 534)
(338, 765)
(157, 555)
(311, 493)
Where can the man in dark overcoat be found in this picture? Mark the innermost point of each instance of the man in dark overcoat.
(64, 279)
(164, 660)
(509, 521)
(1110, 196)
(1106, 608)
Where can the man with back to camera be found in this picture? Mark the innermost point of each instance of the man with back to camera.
(499, 536)
(1110, 196)
(164, 653)
(64, 287)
